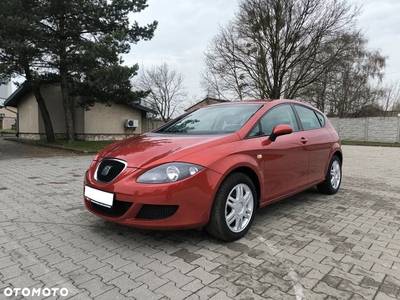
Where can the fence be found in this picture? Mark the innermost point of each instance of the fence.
(378, 129)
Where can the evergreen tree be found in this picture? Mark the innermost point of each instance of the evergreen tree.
(81, 44)
(19, 55)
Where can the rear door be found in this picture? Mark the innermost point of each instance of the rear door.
(319, 142)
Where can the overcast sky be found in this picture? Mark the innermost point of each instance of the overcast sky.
(186, 27)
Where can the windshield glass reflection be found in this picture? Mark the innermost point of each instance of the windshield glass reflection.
(212, 120)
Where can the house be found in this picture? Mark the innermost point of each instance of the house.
(101, 122)
(206, 101)
(7, 116)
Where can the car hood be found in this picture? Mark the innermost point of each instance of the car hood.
(152, 149)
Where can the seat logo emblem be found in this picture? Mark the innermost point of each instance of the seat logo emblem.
(106, 170)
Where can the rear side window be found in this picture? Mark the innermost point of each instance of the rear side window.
(321, 118)
(308, 118)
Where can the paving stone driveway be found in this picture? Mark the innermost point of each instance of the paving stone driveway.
(309, 246)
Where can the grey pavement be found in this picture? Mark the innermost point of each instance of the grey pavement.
(309, 246)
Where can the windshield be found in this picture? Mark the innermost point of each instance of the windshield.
(213, 120)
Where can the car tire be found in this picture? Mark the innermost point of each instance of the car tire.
(333, 178)
(233, 209)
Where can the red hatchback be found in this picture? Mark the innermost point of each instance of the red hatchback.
(213, 167)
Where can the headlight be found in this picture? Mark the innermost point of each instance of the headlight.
(170, 172)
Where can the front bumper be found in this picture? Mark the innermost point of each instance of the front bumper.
(180, 205)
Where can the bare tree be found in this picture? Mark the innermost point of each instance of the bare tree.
(391, 97)
(211, 86)
(224, 75)
(350, 87)
(167, 92)
(272, 47)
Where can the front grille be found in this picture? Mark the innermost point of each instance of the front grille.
(108, 169)
(117, 210)
(156, 212)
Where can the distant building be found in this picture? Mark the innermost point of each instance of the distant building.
(205, 102)
(7, 118)
(101, 122)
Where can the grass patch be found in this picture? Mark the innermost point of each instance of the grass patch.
(366, 143)
(8, 131)
(89, 146)
(85, 146)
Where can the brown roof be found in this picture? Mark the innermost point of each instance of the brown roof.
(207, 100)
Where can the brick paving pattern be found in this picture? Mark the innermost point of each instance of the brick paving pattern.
(309, 246)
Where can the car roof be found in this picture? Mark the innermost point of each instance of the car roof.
(257, 101)
(264, 102)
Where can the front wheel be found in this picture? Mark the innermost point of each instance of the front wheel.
(233, 209)
(333, 177)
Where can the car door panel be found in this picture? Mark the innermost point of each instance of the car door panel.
(319, 143)
(284, 164)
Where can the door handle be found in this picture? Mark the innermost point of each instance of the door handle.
(304, 140)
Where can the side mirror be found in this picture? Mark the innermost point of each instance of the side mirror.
(279, 130)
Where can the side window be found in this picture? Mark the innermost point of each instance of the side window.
(307, 117)
(282, 114)
(256, 131)
(321, 119)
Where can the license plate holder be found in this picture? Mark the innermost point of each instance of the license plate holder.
(99, 197)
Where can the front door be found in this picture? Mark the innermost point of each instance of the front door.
(285, 165)
(285, 161)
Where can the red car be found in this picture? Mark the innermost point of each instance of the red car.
(215, 166)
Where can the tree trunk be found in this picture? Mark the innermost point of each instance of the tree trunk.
(69, 119)
(45, 113)
(35, 88)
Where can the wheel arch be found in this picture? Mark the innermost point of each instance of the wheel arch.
(254, 178)
(339, 154)
(335, 150)
(245, 164)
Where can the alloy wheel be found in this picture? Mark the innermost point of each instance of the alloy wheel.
(239, 207)
(335, 174)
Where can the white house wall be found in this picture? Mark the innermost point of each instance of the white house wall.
(108, 122)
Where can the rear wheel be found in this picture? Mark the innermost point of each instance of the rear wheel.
(333, 177)
(233, 209)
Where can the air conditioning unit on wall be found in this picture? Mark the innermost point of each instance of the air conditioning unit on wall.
(131, 123)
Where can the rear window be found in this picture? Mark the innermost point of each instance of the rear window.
(308, 118)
